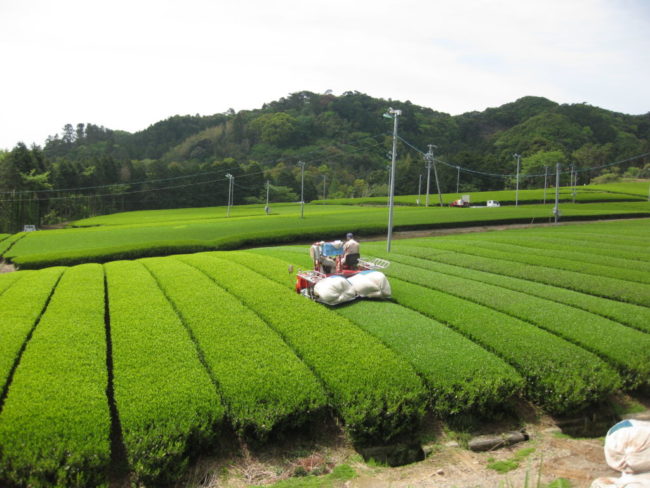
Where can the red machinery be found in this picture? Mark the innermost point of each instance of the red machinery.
(328, 266)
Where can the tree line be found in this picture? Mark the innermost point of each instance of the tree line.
(344, 141)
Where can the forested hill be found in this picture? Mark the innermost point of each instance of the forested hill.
(344, 141)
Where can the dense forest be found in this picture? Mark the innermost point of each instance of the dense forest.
(344, 141)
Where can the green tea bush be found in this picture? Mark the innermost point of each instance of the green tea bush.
(469, 267)
(8, 279)
(560, 376)
(377, 395)
(57, 400)
(262, 382)
(167, 404)
(507, 264)
(628, 349)
(459, 375)
(590, 265)
(21, 306)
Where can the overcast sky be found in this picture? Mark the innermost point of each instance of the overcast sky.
(126, 64)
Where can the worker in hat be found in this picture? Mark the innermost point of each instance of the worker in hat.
(350, 252)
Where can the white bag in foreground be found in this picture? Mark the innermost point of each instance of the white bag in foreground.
(627, 447)
(334, 290)
(625, 481)
(371, 284)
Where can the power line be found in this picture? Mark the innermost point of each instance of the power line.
(502, 175)
(192, 175)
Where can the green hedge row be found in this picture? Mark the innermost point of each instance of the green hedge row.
(262, 382)
(580, 262)
(57, 399)
(610, 279)
(166, 402)
(470, 267)
(460, 375)
(9, 241)
(73, 246)
(560, 376)
(581, 251)
(377, 395)
(8, 279)
(602, 286)
(626, 348)
(22, 305)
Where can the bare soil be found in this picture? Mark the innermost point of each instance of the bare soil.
(551, 455)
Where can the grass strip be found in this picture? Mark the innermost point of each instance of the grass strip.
(262, 382)
(167, 404)
(57, 400)
(377, 395)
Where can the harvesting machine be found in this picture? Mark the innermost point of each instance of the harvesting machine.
(332, 282)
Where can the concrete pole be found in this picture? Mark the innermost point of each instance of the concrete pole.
(556, 210)
(518, 158)
(391, 198)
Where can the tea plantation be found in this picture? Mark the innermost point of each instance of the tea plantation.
(161, 357)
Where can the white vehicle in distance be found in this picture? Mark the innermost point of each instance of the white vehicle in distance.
(493, 203)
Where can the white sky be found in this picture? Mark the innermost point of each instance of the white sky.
(126, 64)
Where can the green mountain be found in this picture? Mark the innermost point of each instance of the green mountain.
(344, 141)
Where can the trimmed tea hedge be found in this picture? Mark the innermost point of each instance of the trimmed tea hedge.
(262, 382)
(582, 263)
(583, 250)
(625, 313)
(560, 376)
(8, 279)
(626, 291)
(628, 349)
(377, 395)
(167, 404)
(57, 398)
(460, 375)
(22, 305)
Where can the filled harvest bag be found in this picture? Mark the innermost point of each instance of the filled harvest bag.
(334, 290)
(627, 449)
(371, 284)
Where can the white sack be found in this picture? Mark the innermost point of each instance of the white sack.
(371, 284)
(334, 290)
(627, 446)
(625, 481)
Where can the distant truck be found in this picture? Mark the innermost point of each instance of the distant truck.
(493, 203)
(461, 202)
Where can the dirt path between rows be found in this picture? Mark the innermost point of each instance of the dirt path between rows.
(547, 456)
(6, 267)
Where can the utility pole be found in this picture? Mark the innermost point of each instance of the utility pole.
(426, 157)
(302, 189)
(420, 190)
(268, 187)
(432, 162)
(556, 209)
(574, 178)
(392, 114)
(545, 182)
(230, 192)
(517, 156)
(457, 178)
